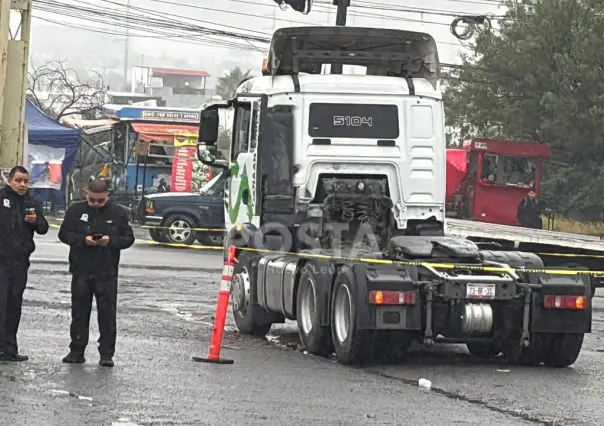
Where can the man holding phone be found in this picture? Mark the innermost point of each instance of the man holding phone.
(96, 230)
(20, 216)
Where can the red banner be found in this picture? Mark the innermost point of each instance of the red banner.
(182, 169)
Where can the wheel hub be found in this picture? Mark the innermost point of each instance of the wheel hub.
(342, 311)
(307, 307)
(241, 291)
(179, 231)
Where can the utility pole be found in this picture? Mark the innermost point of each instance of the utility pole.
(14, 64)
(126, 46)
(341, 14)
(303, 6)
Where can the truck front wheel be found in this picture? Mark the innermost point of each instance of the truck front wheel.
(309, 311)
(249, 318)
(352, 346)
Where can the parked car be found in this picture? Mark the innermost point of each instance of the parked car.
(178, 214)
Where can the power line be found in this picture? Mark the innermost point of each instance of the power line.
(401, 19)
(179, 28)
(137, 21)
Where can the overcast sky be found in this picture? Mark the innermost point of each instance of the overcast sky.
(257, 17)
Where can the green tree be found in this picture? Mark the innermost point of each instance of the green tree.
(540, 76)
(227, 84)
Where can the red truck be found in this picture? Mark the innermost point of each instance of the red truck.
(486, 181)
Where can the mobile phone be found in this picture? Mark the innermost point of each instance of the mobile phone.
(97, 236)
(31, 210)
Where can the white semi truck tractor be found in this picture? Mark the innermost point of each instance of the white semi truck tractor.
(335, 200)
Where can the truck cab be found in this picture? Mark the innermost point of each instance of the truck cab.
(304, 141)
(487, 179)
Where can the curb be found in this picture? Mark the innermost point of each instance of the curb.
(44, 261)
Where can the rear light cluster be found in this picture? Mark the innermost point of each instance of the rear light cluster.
(386, 297)
(564, 302)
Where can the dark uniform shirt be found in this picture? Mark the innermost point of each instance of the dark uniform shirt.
(17, 235)
(81, 221)
(529, 213)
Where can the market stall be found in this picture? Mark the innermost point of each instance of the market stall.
(51, 150)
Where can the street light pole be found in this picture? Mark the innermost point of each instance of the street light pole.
(303, 6)
(340, 22)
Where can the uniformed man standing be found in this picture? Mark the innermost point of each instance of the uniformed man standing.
(20, 216)
(530, 211)
(96, 230)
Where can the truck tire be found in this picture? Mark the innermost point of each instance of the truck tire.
(179, 229)
(352, 346)
(310, 306)
(249, 318)
(561, 349)
(527, 356)
(553, 349)
(483, 350)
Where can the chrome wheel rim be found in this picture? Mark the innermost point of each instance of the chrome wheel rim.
(307, 306)
(342, 309)
(179, 231)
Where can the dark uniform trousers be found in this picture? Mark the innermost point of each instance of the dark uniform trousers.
(13, 280)
(104, 290)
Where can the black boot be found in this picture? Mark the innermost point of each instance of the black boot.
(106, 361)
(74, 358)
(13, 357)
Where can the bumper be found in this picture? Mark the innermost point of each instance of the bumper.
(439, 305)
(150, 220)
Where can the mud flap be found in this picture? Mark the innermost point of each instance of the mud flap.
(386, 277)
(545, 320)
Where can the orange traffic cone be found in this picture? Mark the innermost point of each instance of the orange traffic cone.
(222, 305)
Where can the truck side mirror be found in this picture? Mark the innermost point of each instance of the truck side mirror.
(207, 155)
(208, 126)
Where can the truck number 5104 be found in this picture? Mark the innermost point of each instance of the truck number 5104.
(352, 121)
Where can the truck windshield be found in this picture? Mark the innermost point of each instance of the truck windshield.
(509, 170)
(210, 188)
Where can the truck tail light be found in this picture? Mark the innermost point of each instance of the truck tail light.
(385, 297)
(564, 302)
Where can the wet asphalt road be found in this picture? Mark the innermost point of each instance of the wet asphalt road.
(165, 317)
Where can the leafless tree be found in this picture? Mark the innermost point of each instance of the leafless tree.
(69, 93)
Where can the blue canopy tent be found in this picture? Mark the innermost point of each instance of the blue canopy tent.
(52, 149)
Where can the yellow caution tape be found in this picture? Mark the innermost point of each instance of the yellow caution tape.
(189, 246)
(429, 264)
(382, 261)
(590, 256)
(176, 227)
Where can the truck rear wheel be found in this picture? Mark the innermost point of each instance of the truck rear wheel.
(561, 349)
(309, 311)
(352, 346)
(249, 318)
(482, 350)
(553, 349)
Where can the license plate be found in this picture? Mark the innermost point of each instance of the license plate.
(480, 291)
